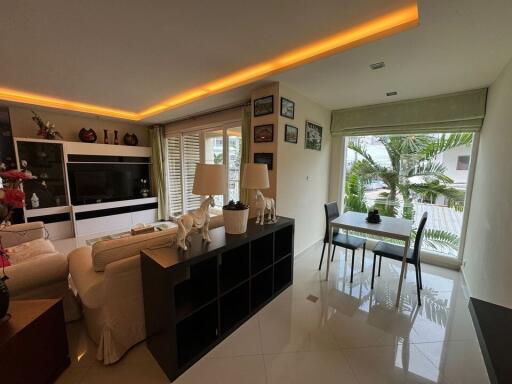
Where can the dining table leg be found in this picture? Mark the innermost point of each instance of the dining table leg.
(329, 252)
(404, 266)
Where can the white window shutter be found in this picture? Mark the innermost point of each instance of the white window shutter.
(175, 175)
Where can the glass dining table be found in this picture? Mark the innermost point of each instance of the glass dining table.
(390, 227)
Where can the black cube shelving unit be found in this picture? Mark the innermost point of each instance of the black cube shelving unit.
(195, 299)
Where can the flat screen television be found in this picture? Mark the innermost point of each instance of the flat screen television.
(99, 183)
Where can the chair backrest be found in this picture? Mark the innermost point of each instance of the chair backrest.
(419, 238)
(331, 212)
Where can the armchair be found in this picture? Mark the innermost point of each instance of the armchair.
(42, 276)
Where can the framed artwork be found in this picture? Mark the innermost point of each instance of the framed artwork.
(264, 133)
(264, 106)
(313, 136)
(287, 108)
(264, 158)
(291, 134)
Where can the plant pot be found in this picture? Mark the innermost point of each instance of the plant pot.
(235, 221)
(4, 299)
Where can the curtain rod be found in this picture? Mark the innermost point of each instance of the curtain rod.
(211, 112)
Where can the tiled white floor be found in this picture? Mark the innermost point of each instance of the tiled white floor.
(351, 334)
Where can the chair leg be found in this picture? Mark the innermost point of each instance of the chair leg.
(373, 268)
(352, 270)
(362, 264)
(418, 284)
(332, 257)
(419, 272)
(380, 264)
(322, 257)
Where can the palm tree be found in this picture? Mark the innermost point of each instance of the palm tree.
(414, 173)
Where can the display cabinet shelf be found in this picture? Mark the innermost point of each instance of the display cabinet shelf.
(195, 299)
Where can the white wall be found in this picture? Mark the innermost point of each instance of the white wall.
(70, 124)
(488, 252)
(303, 174)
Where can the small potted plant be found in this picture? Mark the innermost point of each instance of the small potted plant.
(235, 217)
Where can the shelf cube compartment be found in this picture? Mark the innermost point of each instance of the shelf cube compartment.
(196, 333)
(234, 307)
(198, 289)
(262, 253)
(234, 267)
(261, 288)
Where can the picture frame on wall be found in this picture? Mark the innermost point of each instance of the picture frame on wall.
(264, 106)
(291, 134)
(287, 108)
(264, 158)
(264, 133)
(313, 138)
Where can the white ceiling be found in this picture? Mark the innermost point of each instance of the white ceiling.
(130, 55)
(459, 45)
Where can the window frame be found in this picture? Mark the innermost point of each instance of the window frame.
(225, 126)
(434, 257)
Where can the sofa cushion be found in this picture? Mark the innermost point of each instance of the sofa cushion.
(107, 251)
(26, 251)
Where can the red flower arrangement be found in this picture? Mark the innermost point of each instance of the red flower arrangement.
(11, 196)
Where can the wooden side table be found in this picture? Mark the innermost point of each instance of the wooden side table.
(33, 343)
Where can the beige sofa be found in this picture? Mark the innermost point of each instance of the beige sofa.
(42, 276)
(107, 279)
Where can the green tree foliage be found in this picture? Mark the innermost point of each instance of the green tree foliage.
(414, 173)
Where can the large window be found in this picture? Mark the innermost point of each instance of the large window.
(406, 175)
(221, 145)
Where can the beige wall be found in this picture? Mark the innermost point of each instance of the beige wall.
(487, 253)
(69, 125)
(303, 174)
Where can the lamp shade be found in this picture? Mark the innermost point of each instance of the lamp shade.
(255, 176)
(210, 179)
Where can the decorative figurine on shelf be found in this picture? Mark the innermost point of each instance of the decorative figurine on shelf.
(105, 136)
(116, 138)
(255, 176)
(198, 218)
(209, 179)
(144, 187)
(131, 139)
(87, 135)
(262, 205)
(46, 130)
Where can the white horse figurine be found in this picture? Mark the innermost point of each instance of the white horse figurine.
(262, 204)
(198, 218)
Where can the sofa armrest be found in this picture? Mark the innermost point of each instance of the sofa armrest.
(39, 271)
(21, 233)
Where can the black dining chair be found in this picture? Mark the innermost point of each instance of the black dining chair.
(339, 239)
(396, 252)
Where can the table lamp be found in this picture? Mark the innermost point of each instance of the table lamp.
(255, 176)
(209, 180)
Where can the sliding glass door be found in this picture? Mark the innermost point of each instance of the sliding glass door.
(406, 175)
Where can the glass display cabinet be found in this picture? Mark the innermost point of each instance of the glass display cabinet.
(45, 159)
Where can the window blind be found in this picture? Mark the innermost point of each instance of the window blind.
(175, 175)
(456, 112)
(191, 156)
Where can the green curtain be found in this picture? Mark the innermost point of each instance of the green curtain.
(246, 150)
(456, 112)
(157, 140)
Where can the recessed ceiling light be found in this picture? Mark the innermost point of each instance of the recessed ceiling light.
(394, 93)
(378, 65)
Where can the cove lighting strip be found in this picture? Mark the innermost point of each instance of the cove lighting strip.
(378, 27)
